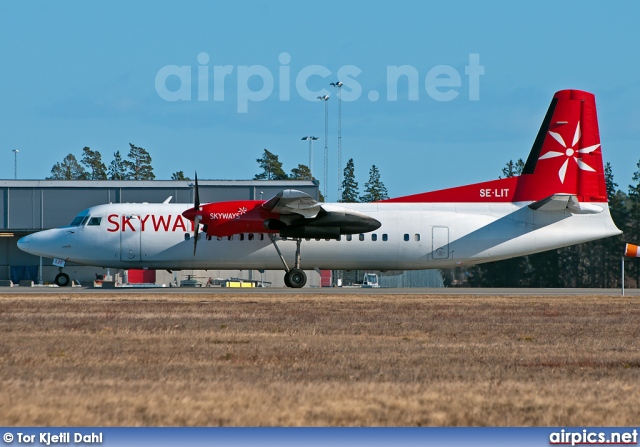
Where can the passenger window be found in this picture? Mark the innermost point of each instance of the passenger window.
(374, 237)
(262, 236)
(187, 236)
(417, 237)
(94, 221)
(385, 238)
(361, 237)
(406, 236)
(242, 236)
(348, 237)
(230, 238)
(250, 236)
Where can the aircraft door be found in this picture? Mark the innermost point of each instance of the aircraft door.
(440, 242)
(130, 238)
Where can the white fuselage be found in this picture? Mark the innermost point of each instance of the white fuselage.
(412, 236)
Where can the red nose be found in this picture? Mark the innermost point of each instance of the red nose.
(191, 213)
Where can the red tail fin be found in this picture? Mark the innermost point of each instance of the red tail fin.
(566, 158)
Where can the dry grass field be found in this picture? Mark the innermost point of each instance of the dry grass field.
(330, 360)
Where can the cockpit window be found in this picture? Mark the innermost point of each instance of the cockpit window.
(94, 221)
(78, 221)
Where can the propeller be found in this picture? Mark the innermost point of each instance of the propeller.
(196, 220)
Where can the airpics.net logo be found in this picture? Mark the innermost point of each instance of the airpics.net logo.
(255, 83)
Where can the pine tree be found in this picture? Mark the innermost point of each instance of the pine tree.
(117, 169)
(512, 169)
(179, 175)
(610, 247)
(349, 184)
(93, 160)
(374, 189)
(271, 167)
(139, 164)
(302, 172)
(632, 230)
(69, 169)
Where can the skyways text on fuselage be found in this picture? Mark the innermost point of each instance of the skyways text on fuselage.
(149, 222)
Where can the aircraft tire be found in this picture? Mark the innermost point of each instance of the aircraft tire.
(286, 280)
(296, 278)
(62, 280)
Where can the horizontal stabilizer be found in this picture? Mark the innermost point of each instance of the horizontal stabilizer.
(565, 202)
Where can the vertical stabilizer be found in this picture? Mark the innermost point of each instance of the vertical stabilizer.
(566, 156)
(566, 159)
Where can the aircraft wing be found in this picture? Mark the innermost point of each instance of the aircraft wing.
(291, 201)
(299, 215)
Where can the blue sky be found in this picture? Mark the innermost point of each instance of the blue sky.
(78, 74)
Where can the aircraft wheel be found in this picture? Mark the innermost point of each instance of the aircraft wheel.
(62, 280)
(296, 278)
(286, 280)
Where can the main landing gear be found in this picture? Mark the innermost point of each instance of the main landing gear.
(62, 279)
(295, 277)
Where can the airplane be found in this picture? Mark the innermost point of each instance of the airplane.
(560, 199)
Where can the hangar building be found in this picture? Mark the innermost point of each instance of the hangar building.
(27, 206)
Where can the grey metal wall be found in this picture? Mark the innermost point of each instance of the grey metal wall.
(27, 206)
(30, 205)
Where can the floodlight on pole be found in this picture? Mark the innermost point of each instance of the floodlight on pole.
(324, 99)
(339, 85)
(311, 140)
(15, 164)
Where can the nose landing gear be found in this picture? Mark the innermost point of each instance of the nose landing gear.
(62, 279)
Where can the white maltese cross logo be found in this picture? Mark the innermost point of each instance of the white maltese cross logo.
(570, 153)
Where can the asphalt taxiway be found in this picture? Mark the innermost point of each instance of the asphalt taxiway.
(322, 291)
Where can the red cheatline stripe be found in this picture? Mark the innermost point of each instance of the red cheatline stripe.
(632, 251)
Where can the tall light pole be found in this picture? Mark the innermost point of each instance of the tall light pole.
(324, 99)
(339, 85)
(15, 164)
(311, 140)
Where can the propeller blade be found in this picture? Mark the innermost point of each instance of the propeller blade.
(195, 233)
(196, 221)
(196, 200)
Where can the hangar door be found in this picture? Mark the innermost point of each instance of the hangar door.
(440, 242)
(130, 238)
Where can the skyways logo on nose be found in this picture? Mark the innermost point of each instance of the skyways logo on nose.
(227, 216)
